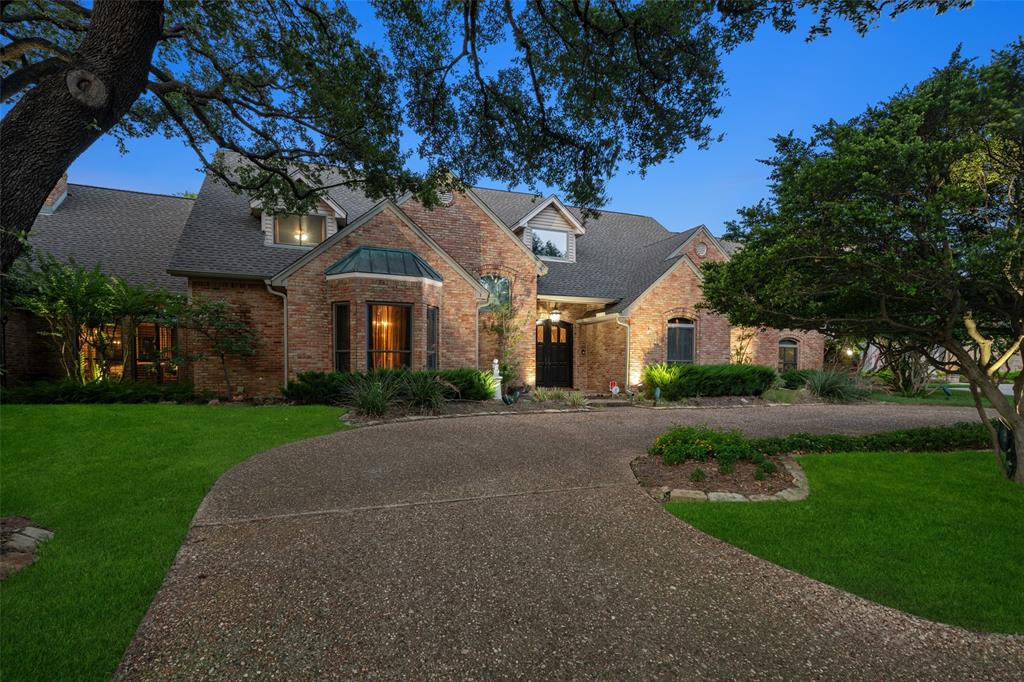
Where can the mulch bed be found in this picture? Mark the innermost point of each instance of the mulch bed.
(458, 407)
(720, 401)
(651, 472)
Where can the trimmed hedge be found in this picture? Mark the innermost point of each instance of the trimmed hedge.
(332, 388)
(678, 381)
(51, 393)
(795, 378)
(702, 443)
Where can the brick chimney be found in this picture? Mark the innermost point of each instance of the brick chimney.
(56, 196)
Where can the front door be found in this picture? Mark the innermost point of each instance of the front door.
(554, 354)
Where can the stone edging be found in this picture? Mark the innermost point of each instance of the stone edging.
(491, 413)
(799, 491)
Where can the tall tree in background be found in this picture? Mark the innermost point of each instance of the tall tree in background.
(905, 223)
(560, 93)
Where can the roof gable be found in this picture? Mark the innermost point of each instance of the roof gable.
(281, 278)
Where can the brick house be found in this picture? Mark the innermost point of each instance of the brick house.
(360, 284)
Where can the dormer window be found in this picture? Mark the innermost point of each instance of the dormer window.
(299, 230)
(550, 243)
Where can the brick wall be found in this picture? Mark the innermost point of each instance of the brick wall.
(764, 347)
(28, 356)
(482, 247)
(261, 374)
(311, 297)
(676, 295)
(602, 350)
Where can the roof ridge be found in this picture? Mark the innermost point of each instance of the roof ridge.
(131, 191)
(578, 208)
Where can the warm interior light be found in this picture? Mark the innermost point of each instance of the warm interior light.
(849, 351)
(556, 315)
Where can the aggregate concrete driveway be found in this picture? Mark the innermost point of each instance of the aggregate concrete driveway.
(516, 547)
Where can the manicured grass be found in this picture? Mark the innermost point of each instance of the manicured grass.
(937, 535)
(119, 485)
(958, 399)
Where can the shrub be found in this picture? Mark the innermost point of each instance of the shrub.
(795, 378)
(698, 475)
(372, 394)
(105, 391)
(836, 387)
(468, 383)
(331, 388)
(576, 399)
(962, 436)
(759, 474)
(700, 443)
(678, 381)
(426, 390)
(557, 395)
(784, 395)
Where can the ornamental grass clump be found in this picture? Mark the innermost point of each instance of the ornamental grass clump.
(836, 387)
(373, 394)
(576, 399)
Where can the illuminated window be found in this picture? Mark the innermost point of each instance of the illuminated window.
(680, 340)
(389, 343)
(299, 230)
(788, 351)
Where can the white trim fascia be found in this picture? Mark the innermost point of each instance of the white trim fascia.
(701, 229)
(557, 203)
(374, 275)
(683, 259)
(574, 299)
(281, 278)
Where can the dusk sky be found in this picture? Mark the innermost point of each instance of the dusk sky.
(777, 83)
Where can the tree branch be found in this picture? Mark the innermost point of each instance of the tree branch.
(28, 75)
(13, 50)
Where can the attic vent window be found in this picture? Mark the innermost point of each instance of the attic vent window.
(446, 198)
(702, 249)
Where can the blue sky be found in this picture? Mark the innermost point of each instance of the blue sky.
(777, 83)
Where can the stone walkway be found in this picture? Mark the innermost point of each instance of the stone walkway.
(516, 548)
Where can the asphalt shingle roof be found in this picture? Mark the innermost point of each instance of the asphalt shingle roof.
(129, 234)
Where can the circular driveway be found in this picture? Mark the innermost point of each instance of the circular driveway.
(516, 547)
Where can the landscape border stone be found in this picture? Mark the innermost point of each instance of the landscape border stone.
(799, 491)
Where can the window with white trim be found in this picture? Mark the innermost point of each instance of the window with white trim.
(299, 230)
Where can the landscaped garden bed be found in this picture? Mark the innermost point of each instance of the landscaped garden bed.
(660, 478)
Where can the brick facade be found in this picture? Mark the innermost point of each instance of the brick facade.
(28, 355)
(261, 374)
(480, 246)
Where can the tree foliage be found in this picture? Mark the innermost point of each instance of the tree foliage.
(906, 223)
(530, 92)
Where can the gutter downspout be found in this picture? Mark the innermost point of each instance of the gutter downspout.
(618, 321)
(284, 304)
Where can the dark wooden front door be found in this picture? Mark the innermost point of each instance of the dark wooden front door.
(554, 354)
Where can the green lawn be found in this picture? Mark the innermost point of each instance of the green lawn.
(937, 535)
(119, 485)
(958, 399)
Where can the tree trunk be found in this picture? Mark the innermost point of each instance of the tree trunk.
(59, 118)
(227, 379)
(1018, 440)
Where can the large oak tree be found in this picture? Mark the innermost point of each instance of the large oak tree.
(904, 224)
(559, 92)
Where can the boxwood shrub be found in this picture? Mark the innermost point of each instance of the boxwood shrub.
(332, 388)
(678, 381)
(702, 443)
(795, 378)
(103, 392)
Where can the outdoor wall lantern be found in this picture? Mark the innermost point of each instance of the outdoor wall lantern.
(556, 315)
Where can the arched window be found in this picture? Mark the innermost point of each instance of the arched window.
(788, 351)
(680, 340)
(499, 290)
